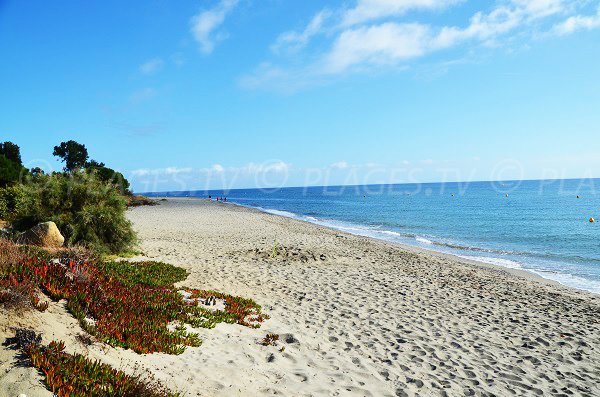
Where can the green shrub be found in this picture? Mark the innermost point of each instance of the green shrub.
(13, 199)
(108, 175)
(86, 210)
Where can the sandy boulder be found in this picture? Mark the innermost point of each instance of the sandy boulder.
(44, 234)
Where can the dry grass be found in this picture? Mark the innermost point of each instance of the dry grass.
(10, 254)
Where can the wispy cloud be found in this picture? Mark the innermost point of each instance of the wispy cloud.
(142, 95)
(152, 66)
(383, 44)
(293, 41)
(205, 25)
(373, 34)
(367, 10)
(578, 22)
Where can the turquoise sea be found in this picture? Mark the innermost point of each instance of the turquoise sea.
(539, 226)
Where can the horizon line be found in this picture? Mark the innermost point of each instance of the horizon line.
(370, 184)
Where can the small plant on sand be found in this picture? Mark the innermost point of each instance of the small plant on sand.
(270, 340)
(68, 375)
(275, 251)
(237, 310)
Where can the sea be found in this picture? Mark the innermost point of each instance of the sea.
(543, 227)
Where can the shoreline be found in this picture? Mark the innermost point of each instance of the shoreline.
(524, 273)
(355, 316)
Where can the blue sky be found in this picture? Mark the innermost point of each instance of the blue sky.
(244, 93)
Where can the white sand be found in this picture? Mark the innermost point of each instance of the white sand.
(356, 316)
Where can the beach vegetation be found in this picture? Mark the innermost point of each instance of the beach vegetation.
(85, 209)
(275, 251)
(122, 304)
(109, 176)
(68, 375)
(149, 273)
(238, 310)
(87, 202)
(12, 201)
(270, 340)
(138, 201)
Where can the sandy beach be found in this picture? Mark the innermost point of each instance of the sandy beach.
(356, 316)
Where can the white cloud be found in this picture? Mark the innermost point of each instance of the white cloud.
(152, 66)
(540, 8)
(205, 25)
(253, 168)
(218, 168)
(141, 172)
(367, 10)
(340, 165)
(293, 41)
(482, 27)
(373, 34)
(390, 43)
(383, 44)
(578, 22)
(161, 171)
(175, 170)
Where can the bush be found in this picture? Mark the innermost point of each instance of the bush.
(86, 210)
(13, 199)
(108, 175)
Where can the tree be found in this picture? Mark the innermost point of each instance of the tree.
(10, 171)
(36, 171)
(11, 151)
(73, 154)
(94, 164)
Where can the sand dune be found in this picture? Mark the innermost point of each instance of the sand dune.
(356, 316)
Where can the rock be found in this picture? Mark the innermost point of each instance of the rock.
(4, 229)
(44, 234)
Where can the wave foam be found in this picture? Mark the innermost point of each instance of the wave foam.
(566, 279)
(423, 240)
